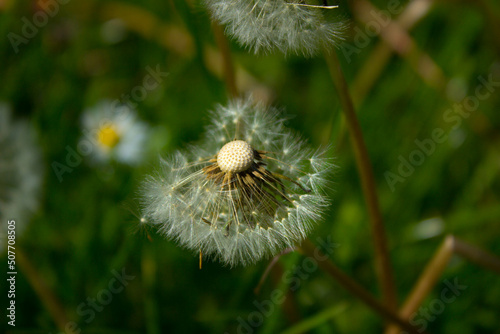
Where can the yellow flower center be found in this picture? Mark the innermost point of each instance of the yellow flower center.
(108, 137)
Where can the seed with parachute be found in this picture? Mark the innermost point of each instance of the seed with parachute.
(248, 190)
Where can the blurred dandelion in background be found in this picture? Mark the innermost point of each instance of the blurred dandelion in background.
(250, 189)
(270, 25)
(21, 172)
(115, 133)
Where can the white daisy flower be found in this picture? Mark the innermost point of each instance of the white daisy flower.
(21, 171)
(250, 189)
(114, 132)
(285, 25)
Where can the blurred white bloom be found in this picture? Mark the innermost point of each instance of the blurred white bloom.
(21, 171)
(114, 132)
(249, 189)
(285, 25)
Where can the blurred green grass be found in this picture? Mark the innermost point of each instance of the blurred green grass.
(87, 224)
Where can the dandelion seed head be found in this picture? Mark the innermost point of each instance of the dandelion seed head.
(21, 173)
(285, 25)
(244, 199)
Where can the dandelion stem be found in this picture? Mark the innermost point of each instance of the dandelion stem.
(382, 261)
(349, 284)
(435, 268)
(270, 266)
(426, 282)
(149, 268)
(289, 306)
(227, 63)
(43, 291)
(476, 255)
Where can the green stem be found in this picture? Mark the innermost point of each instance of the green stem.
(382, 262)
(327, 266)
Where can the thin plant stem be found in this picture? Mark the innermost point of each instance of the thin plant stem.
(426, 282)
(350, 285)
(289, 306)
(403, 44)
(382, 52)
(435, 268)
(43, 291)
(270, 266)
(476, 255)
(149, 272)
(316, 320)
(227, 63)
(382, 261)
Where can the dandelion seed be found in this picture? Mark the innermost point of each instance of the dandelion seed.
(21, 171)
(284, 25)
(249, 190)
(115, 133)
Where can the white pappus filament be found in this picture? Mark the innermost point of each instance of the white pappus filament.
(249, 189)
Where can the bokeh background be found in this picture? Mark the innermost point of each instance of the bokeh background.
(83, 227)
